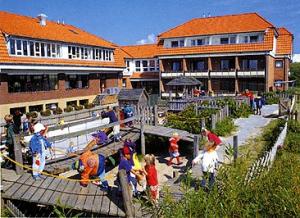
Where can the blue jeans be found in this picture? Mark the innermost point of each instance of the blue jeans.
(211, 179)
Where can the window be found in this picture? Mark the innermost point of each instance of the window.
(77, 81)
(199, 65)
(232, 39)
(72, 103)
(32, 83)
(127, 64)
(193, 42)
(176, 66)
(145, 65)
(83, 101)
(245, 39)
(224, 64)
(25, 49)
(42, 49)
(253, 38)
(31, 48)
(200, 42)
(12, 46)
(181, 43)
(152, 65)
(174, 44)
(224, 40)
(137, 65)
(278, 64)
(253, 64)
(37, 49)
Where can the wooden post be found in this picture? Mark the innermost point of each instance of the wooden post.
(202, 122)
(196, 108)
(213, 121)
(127, 196)
(227, 110)
(18, 154)
(235, 147)
(155, 115)
(196, 145)
(143, 138)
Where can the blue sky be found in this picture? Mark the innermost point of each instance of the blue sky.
(127, 22)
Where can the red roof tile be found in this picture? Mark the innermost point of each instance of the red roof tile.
(19, 25)
(141, 51)
(284, 42)
(238, 23)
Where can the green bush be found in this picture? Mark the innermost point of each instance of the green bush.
(68, 108)
(292, 141)
(224, 127)
(89, 105)
(78, 107)
(46, 113)
(58, 110)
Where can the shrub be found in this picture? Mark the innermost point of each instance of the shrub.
(292, 141)
(78, 108)
(224, 127)
(89, 106)
(58, 110)
(68, 109)
(46, 113)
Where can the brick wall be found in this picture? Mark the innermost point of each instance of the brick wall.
(270, 71)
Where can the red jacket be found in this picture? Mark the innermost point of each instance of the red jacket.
(151, 175)
(173, 144)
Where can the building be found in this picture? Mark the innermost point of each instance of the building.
(226, 53)
(142, 68)
(44, 63)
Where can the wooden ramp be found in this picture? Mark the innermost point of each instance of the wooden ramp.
(53, 191)
(167, 132)
(62, 164)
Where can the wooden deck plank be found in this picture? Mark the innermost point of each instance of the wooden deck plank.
(67, 192)
(81, 198)
(98, 201)
(26, 185)
(89, 201)
(113, 207)
(12, 190)
(56, 195)
(32, 189)
(49, 191)
(41, 190)
(73, 197)
(105, 205)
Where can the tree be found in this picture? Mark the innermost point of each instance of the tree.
(295, 72)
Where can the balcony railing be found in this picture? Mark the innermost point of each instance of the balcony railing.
(251, 73)
(169, 74)
(221, 73)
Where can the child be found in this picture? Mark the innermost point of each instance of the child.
(209, 163)
(258, 102)
(126, 165)
(151, 177)
(173, 149)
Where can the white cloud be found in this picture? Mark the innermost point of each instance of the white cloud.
(149, 40)
(296, 58)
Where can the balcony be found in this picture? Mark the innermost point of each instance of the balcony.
(197, 73)
(171, 74)
(251, 73)
(223, 74)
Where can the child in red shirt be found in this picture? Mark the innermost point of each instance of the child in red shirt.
(151, 177)
(173, 149)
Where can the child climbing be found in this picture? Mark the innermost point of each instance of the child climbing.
(173, 149)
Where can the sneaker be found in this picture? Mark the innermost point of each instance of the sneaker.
(37, 178)
(105, 188)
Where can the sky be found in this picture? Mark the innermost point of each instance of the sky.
(129, 22)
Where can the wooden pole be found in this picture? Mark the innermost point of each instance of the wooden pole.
(127, 196)
(235, 148)
(155, 115)
(196, 145)
(213, 121)
(143, 148)
(18, 154)
(202, 122)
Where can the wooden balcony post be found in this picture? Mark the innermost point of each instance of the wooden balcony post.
(209, 79)
(184, 66)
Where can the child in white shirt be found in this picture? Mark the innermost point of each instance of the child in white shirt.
(209, 163)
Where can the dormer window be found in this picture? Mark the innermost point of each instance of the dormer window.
(224, 40)
(254, 38)
(177, 43)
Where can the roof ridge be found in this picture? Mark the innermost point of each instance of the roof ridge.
(288, 32)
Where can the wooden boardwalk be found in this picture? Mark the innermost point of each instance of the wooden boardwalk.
(53, 191)
(167, 132)
(62, 164)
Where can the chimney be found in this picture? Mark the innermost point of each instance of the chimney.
(42, 18)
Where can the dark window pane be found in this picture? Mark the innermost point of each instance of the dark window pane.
(43, 49)
(12, 47)
(25, 50)
(31, 47)
(174, 44)
(224, 40)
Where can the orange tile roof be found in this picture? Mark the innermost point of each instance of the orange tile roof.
(266, 45)
(19, 25)
(237, 23)
(284, 42)
(6, 59)
(145, 75)
(141, 51)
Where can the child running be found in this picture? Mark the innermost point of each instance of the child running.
(151, 177)
(173, 149)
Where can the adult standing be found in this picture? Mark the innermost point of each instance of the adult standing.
(17, 120)
(38, 144)
(9, 143)
(249, 94)
(214, 141)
